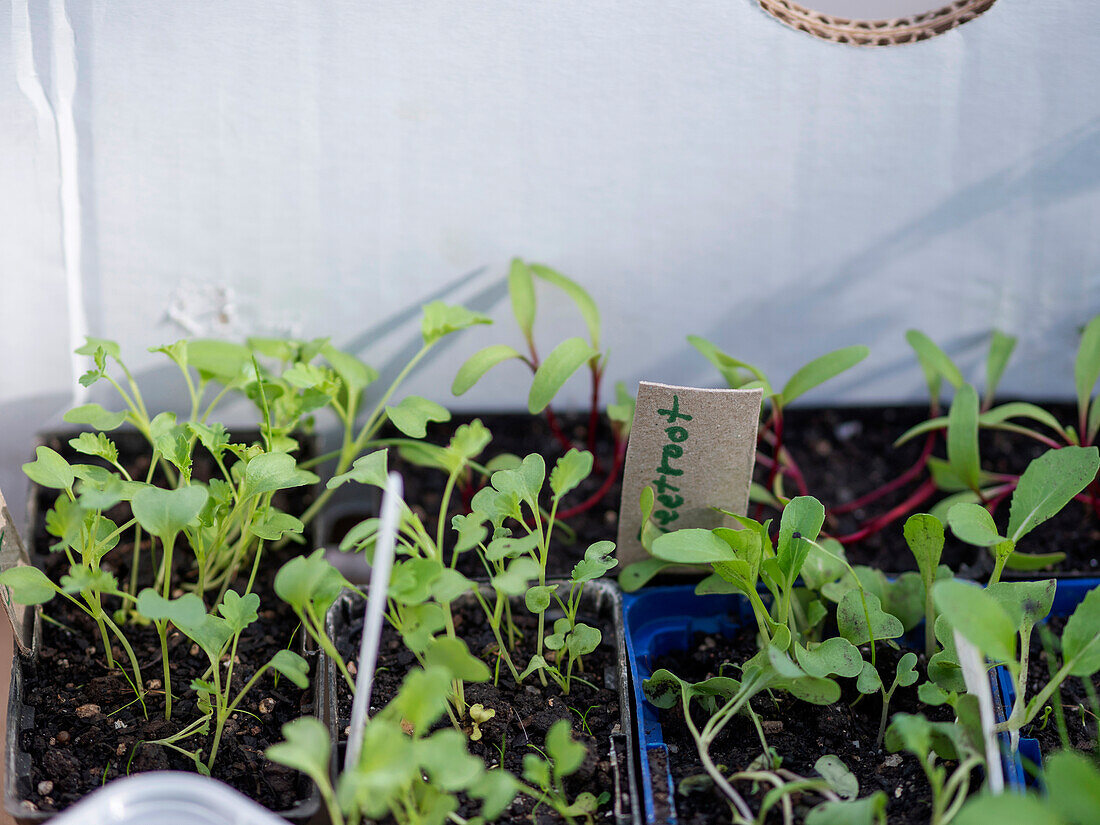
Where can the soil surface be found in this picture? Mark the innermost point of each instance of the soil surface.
(799, 732)
(524, 713)
(844, 453)
(88, 727)
(1079, 710)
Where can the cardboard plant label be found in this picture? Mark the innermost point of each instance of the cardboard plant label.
(12, 554)
(696, 449)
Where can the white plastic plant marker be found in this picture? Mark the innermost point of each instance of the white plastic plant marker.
(167, 798)
(976, 675)
(373, 614)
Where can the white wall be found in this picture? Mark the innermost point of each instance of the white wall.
(321, 169)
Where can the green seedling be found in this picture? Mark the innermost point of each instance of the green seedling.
(869, 681)
(741, 375)
(310, 585)
(1049, 483)
(924, 536)
(1072, 797)
(999, 621)
(407, 770)
(723, 698)
(931, 742)
(546, 771)
(217, 636)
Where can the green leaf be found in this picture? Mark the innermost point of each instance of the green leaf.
(869, 680)
(239, 611)
(28, 585)
(442, 319)
(583, 639)
(537, 598)
(271, 524)
(833, 657)
(188, 613)
(525, 482)
(962, 436)
(1048, 484)
(514, 581)
(1006, 809)
(49, 469)
(165, 512)
(310, 581)
(1019, 409)
(1000, 350)
(636, 575)
(729, 367)
(836, 773)
(569, 471)
(450, 585)
(306, 747)
(448, 763)
(566, 754)
(866, 811)
(422, 698)
(934, 357)
(1073, 785)
(565, 359)
(353, 372)
(851, 619)
(268, 472)
(598, 559)
(977, 616)
(292, 666)
(83, 578)
(581, 298)
(803, 515)
(95, 416)
(664, 689)
(1028, 603)
(453, 656)
(622, 411)
(692, 546)
(368, 469)
(475, 367)
(924, 535)
(821, 370)
(91, 344)
(96, 444)
(412, 415)
(496, 790)
(973, 524)
(1086, 368)
(221, 360)
(521, 290)
(1081, 636)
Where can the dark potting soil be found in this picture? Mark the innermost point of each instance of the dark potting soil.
(1078, 708)
(524, 713)
(88, 728)
(844, 453)
(799, 732)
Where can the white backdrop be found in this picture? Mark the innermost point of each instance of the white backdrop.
(321, 169)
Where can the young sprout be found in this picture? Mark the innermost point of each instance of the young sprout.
(930, 742)
(1048, 484)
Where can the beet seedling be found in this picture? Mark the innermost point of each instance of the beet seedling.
(1048, 484)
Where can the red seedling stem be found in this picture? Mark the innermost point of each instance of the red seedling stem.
(608, 483)
(919, 496)
(909, 475)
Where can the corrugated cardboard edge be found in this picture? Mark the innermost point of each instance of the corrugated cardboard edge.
(12, 554)
(893, 32)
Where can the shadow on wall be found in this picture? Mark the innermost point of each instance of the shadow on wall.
(1063, 170)
(162, 389)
